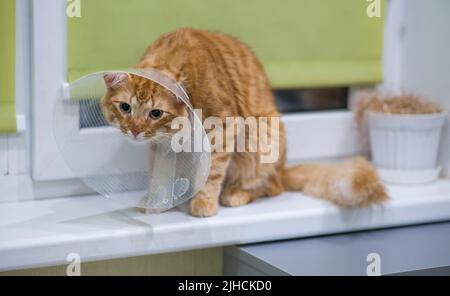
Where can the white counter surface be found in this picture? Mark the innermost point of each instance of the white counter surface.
(43, 233)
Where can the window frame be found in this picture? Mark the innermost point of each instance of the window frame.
(314, 135)
(49, 81)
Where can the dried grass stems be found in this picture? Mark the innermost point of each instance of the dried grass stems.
(403, 103)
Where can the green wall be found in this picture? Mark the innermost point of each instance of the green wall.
(7, 65)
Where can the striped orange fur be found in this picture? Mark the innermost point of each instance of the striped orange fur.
(224, 78)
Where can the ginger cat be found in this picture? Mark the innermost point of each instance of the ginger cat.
(224, 78)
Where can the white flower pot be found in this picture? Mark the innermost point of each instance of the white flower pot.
(405, 147)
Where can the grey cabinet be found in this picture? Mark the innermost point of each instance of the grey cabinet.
(413, 250)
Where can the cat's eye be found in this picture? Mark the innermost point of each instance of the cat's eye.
(125, 107)
(156, 113)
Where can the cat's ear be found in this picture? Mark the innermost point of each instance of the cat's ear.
(114, 80)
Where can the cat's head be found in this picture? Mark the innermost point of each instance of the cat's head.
(140, 108)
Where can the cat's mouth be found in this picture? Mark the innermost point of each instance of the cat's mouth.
(137, 139)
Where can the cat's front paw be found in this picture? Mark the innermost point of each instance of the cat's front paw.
(202, 206)
(236, 198)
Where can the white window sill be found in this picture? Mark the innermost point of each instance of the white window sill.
(43, 233)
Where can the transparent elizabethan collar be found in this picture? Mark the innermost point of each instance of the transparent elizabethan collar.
(149, 175)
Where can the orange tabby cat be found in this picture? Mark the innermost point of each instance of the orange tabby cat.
(224, 78)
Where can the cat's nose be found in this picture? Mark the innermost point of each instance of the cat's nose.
(135, 132)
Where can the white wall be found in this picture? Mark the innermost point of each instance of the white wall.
(425, 59)
(426, 48)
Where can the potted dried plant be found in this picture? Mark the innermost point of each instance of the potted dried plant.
(404, 133)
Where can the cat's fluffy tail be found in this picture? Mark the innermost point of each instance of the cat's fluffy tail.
(353, 183)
